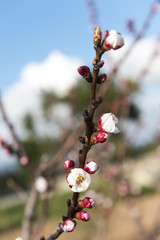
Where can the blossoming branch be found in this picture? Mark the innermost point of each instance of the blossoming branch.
(78, 178)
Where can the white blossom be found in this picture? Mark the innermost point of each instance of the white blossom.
(79, 180)
(41, 184)
(108, 123)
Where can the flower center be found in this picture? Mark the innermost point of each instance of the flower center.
(79, 179)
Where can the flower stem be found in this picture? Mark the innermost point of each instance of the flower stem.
(89, 132)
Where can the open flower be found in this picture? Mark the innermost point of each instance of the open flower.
(78, 180)
(91, 167)
(68, 225)
(113, 40)
(108, 123)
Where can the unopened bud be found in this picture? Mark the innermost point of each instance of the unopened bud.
(91, 167)
(68, 225)
(97, 36)
(101, 78)
(112, 40)
(100, 137)
(69, 164)
(85, 72)
(87, 202)
(84, 216)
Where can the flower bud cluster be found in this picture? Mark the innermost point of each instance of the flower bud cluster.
(78, 178)
(112, 40)
(69, 224)
(11, 150)
(106, 124)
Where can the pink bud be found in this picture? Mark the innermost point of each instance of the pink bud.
(91, 167)
(100, 137)
(24, 160)
(68, 225)
(84, 71)
(84, 216)
(69, 164)
(87, 202)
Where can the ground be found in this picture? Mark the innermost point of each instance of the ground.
(118, 226)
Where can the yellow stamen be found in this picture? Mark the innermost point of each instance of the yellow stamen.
(79, 179)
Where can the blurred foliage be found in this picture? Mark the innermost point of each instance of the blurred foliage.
(11, 217)
(28, 122)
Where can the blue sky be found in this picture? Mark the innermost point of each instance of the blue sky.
(31, 29)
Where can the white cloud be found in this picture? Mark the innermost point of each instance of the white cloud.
(139, 58)
(148, 99)
(57, 72)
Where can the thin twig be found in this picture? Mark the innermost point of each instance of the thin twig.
(19, 191)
